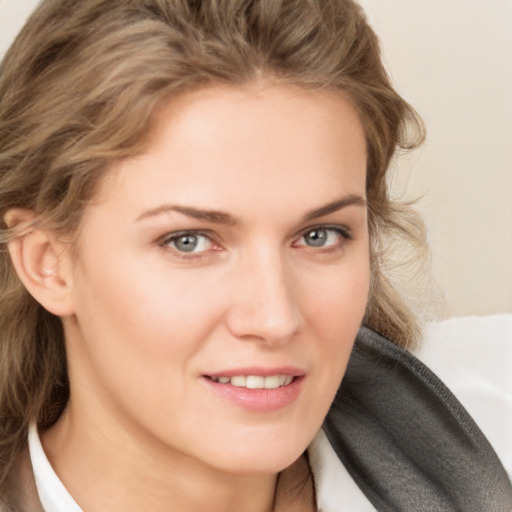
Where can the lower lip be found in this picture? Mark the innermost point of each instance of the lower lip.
(258, 400)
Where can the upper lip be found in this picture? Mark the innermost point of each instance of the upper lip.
(260, 371)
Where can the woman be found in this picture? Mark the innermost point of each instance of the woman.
(193, 198)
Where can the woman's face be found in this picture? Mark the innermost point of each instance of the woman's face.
(221, 279)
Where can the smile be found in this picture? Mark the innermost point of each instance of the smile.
(255, 381)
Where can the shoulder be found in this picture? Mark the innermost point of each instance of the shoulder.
(407, 441)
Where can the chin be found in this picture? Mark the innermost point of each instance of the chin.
(263, 453)
(257, 465)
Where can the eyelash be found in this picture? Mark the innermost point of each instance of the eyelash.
(165, 242)
(170, 238)
(343, 232)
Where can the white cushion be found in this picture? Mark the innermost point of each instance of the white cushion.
(473, 357)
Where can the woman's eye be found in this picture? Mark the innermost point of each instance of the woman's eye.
(323, 237)
(188, 242)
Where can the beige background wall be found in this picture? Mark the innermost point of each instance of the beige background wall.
(452, 60)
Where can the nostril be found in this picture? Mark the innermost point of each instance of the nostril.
(251, 325)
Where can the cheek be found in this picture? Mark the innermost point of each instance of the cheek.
(335, 312)
(336, 299)
(151, 307)
(140, 334)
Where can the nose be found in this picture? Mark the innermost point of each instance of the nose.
(264, 304)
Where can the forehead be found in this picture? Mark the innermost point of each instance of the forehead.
(254, 143)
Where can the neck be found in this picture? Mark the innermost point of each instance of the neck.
(110, 472)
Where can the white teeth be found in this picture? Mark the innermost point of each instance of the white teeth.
(256, 381)
(272, 382)
(238, 381)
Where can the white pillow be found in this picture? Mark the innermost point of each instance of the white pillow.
(473, 356)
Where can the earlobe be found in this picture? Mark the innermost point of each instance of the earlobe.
(41, 262)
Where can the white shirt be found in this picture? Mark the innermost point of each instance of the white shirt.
(53, 495)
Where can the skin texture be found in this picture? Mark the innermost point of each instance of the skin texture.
(146, 321)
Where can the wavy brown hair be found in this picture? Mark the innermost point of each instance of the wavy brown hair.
(77, 91)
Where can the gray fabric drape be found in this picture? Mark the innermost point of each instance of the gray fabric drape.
(407, 441)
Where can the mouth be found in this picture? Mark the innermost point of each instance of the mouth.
(255, 381)
(258, 389)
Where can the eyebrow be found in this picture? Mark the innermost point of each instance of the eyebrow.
(334, 206)
(218, 217)
(213, 216)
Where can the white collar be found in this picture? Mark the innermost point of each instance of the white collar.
(53, 495)
(335, 489)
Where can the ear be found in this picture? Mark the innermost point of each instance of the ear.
(42, 263)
